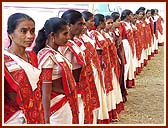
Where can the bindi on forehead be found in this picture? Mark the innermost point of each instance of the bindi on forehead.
(24, 28)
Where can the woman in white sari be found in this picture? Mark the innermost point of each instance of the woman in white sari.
(22, 90)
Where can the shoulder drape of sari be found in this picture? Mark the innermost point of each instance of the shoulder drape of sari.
(87, 85)
(105, 58)
(69, 84)
(113, 54)
(28, 100)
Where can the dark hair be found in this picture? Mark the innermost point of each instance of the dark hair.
(71, 16)
(54, 25)
(148, 10)
(98, 18)
(108, 17)
(142, 8)
(152, 11)
(156, 10)
(138, 11)
(87, 15)
(115, 13)
(115, 16)
(125, 13)
(14, 20)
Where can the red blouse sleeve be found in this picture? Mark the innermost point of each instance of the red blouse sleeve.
(46, 74)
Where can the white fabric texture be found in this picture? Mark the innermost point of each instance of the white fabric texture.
(17, 118)
(28, 68)
(102, 112)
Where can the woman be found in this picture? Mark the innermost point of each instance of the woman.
(155, 31)
(141, 37)
(103, 51)
(116, 104)
(82, 71)
(129, 47)
(146, 38)
(109, 24)
(137, 43)
(112, 49)
(150, 35)
(159, 24)
(101, 114)
(22, 91)
(120, 51)
(59, 95)
(115, 61)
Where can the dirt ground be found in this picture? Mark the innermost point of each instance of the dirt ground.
(145, 103)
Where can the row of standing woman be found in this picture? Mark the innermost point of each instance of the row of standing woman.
(78, 71)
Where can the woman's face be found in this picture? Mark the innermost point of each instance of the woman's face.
(84, 28)
(24, 34)
(131, 16)
(134, 19)
(76, 29)
(144, 17)
(116, 24)
(109, 24)
(103, 24)
(90, 23)
(148, 14)
(140, 15)
(62, 36)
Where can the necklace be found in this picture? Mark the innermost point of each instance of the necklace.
(26, 58)
(24, 61)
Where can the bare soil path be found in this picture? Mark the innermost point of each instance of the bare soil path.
(145, 103)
